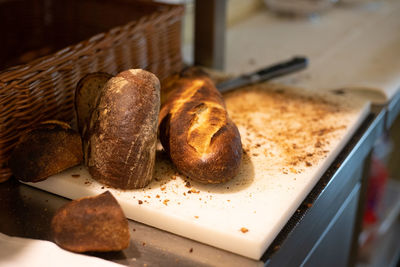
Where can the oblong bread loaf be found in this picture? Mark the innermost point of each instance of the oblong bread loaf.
(120, 143)
(197, 132)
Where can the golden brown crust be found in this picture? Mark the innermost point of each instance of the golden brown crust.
(95, 224)
(122, 133)
(45, 150)
(86, 94)
(196, 131)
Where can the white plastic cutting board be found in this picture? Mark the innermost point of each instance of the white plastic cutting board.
(290, 138)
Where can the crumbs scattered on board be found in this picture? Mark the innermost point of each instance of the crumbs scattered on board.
(300, 127)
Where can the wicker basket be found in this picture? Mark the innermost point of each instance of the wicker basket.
(78, 36)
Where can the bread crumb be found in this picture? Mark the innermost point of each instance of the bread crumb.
(244, 230)
(194, 191)
(76, 175)
(196, 216)
(163, 188)
(188, 184)
(140, 202)
(191, 250)
(157, 196)
(318, 144)
(165, 202)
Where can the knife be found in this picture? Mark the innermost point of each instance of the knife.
(267, 73)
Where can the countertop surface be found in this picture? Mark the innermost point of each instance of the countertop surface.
(349, 46)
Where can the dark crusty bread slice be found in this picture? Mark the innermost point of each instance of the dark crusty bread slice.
(120, 143)
(86, 93)
(95, 224)
(196, 130)
(45, 150)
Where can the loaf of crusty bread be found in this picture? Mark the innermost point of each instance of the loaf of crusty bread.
(95, 224)
(87, 91)
(45, 150)
(122, 133)
(196, 131)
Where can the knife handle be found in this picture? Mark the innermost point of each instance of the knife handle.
(280, 69)
(276, 70)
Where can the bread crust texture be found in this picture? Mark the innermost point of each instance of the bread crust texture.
(44, 150)
(91, 224)
(86, 93)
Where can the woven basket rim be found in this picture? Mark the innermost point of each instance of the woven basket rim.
(10, 73)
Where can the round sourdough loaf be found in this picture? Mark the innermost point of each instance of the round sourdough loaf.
(47, 149)
(120, 143)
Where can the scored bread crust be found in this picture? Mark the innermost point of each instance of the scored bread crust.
(197, 132)
(122, 134)
(45, 150)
